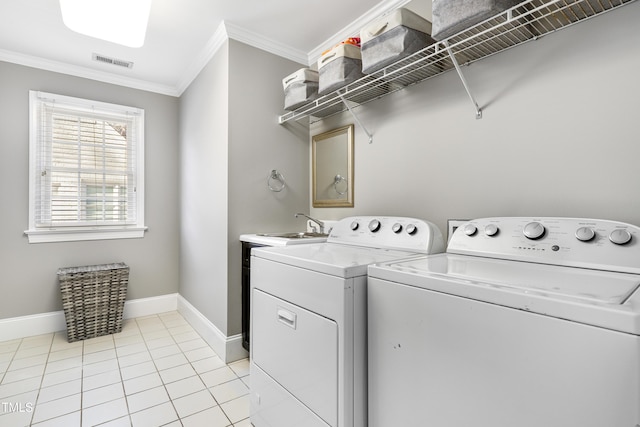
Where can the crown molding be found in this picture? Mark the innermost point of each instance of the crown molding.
(213, 45)
(354, 28)
(225, 31)
(87, 73)
(256, 40)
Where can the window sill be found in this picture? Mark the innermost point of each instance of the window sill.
(75, 235)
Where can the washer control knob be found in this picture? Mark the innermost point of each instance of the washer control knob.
(585, 234)
(470, 229)
(397, 228)
(620, 236)
(374, 225)
(355, 225)
(533, 230)
(412, 229)
(491, 230)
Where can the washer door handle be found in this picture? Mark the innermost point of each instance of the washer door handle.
(288, 318)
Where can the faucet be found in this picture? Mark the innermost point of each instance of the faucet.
(317, 221)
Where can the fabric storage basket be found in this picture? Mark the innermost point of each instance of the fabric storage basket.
(396, 36)
(299, 88)
(339, 67)
(93, 299)
(452, 16)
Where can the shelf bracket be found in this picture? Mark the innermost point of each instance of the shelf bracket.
(355, 117)
(464, 81)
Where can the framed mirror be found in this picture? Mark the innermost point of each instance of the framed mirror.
(332, 168)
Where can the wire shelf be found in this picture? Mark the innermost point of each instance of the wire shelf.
(525, 22)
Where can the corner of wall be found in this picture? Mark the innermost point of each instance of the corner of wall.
(229, 349)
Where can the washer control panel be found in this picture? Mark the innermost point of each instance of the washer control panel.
(402, 233)
(577, 242)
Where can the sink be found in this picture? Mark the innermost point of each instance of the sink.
(285, 238)
(295, 235)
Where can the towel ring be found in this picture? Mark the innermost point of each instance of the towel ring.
(275, 182)
(339, 179)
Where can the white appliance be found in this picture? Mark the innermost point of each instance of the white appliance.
(251, 241)
(308, 320)
(524, 322)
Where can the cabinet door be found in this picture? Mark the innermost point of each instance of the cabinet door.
(299, 350)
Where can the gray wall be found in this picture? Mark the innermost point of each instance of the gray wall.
(257, 145)
(559, 136)
(28, 280)
(203, 183)
(230, 141)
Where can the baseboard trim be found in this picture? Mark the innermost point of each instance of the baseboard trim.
(228, 348)
(149, 306)
(36, 324)
(46, 323)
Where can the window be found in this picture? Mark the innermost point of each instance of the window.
(86, 170)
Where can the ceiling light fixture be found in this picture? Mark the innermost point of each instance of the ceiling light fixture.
(118, 21)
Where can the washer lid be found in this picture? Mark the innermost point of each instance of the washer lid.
(331, 258)
(582, 284)
(607, 299)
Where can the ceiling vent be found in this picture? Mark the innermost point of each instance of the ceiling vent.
(112, 61)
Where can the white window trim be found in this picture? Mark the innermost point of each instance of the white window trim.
(70, 234)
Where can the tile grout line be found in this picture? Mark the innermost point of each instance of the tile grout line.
(4, 374)
(164, 386)
(190, 363)
(35, 404)
(159, 332)
(13, 357)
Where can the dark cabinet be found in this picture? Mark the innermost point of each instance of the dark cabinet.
(246, 291)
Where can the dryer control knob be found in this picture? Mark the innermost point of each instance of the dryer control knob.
(620, 236)
(374, 225)
(412, 229)
(355, 225)
(470, 229)
(534, 230)
(397, 228)
(585, 234)
(491, 230)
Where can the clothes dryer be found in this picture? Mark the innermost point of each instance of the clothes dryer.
(308, 320)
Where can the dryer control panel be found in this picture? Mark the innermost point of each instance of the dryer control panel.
(577, 242)
(411, 234)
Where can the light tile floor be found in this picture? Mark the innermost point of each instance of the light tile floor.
(156, 372)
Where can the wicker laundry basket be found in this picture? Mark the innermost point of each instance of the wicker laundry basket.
(93, 299)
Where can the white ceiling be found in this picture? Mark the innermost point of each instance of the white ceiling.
(182, 36)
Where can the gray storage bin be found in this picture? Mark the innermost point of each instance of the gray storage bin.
(452, 16)
(392, 38)
(300, 88)
(299, 93)
(339, 67)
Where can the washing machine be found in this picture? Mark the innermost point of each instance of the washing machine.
(523, 322)
(309, 317)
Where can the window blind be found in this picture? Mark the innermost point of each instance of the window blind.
(86, 165)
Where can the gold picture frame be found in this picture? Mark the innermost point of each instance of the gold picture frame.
(332, 168)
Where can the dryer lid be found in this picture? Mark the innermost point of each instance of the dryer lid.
(331, 258)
